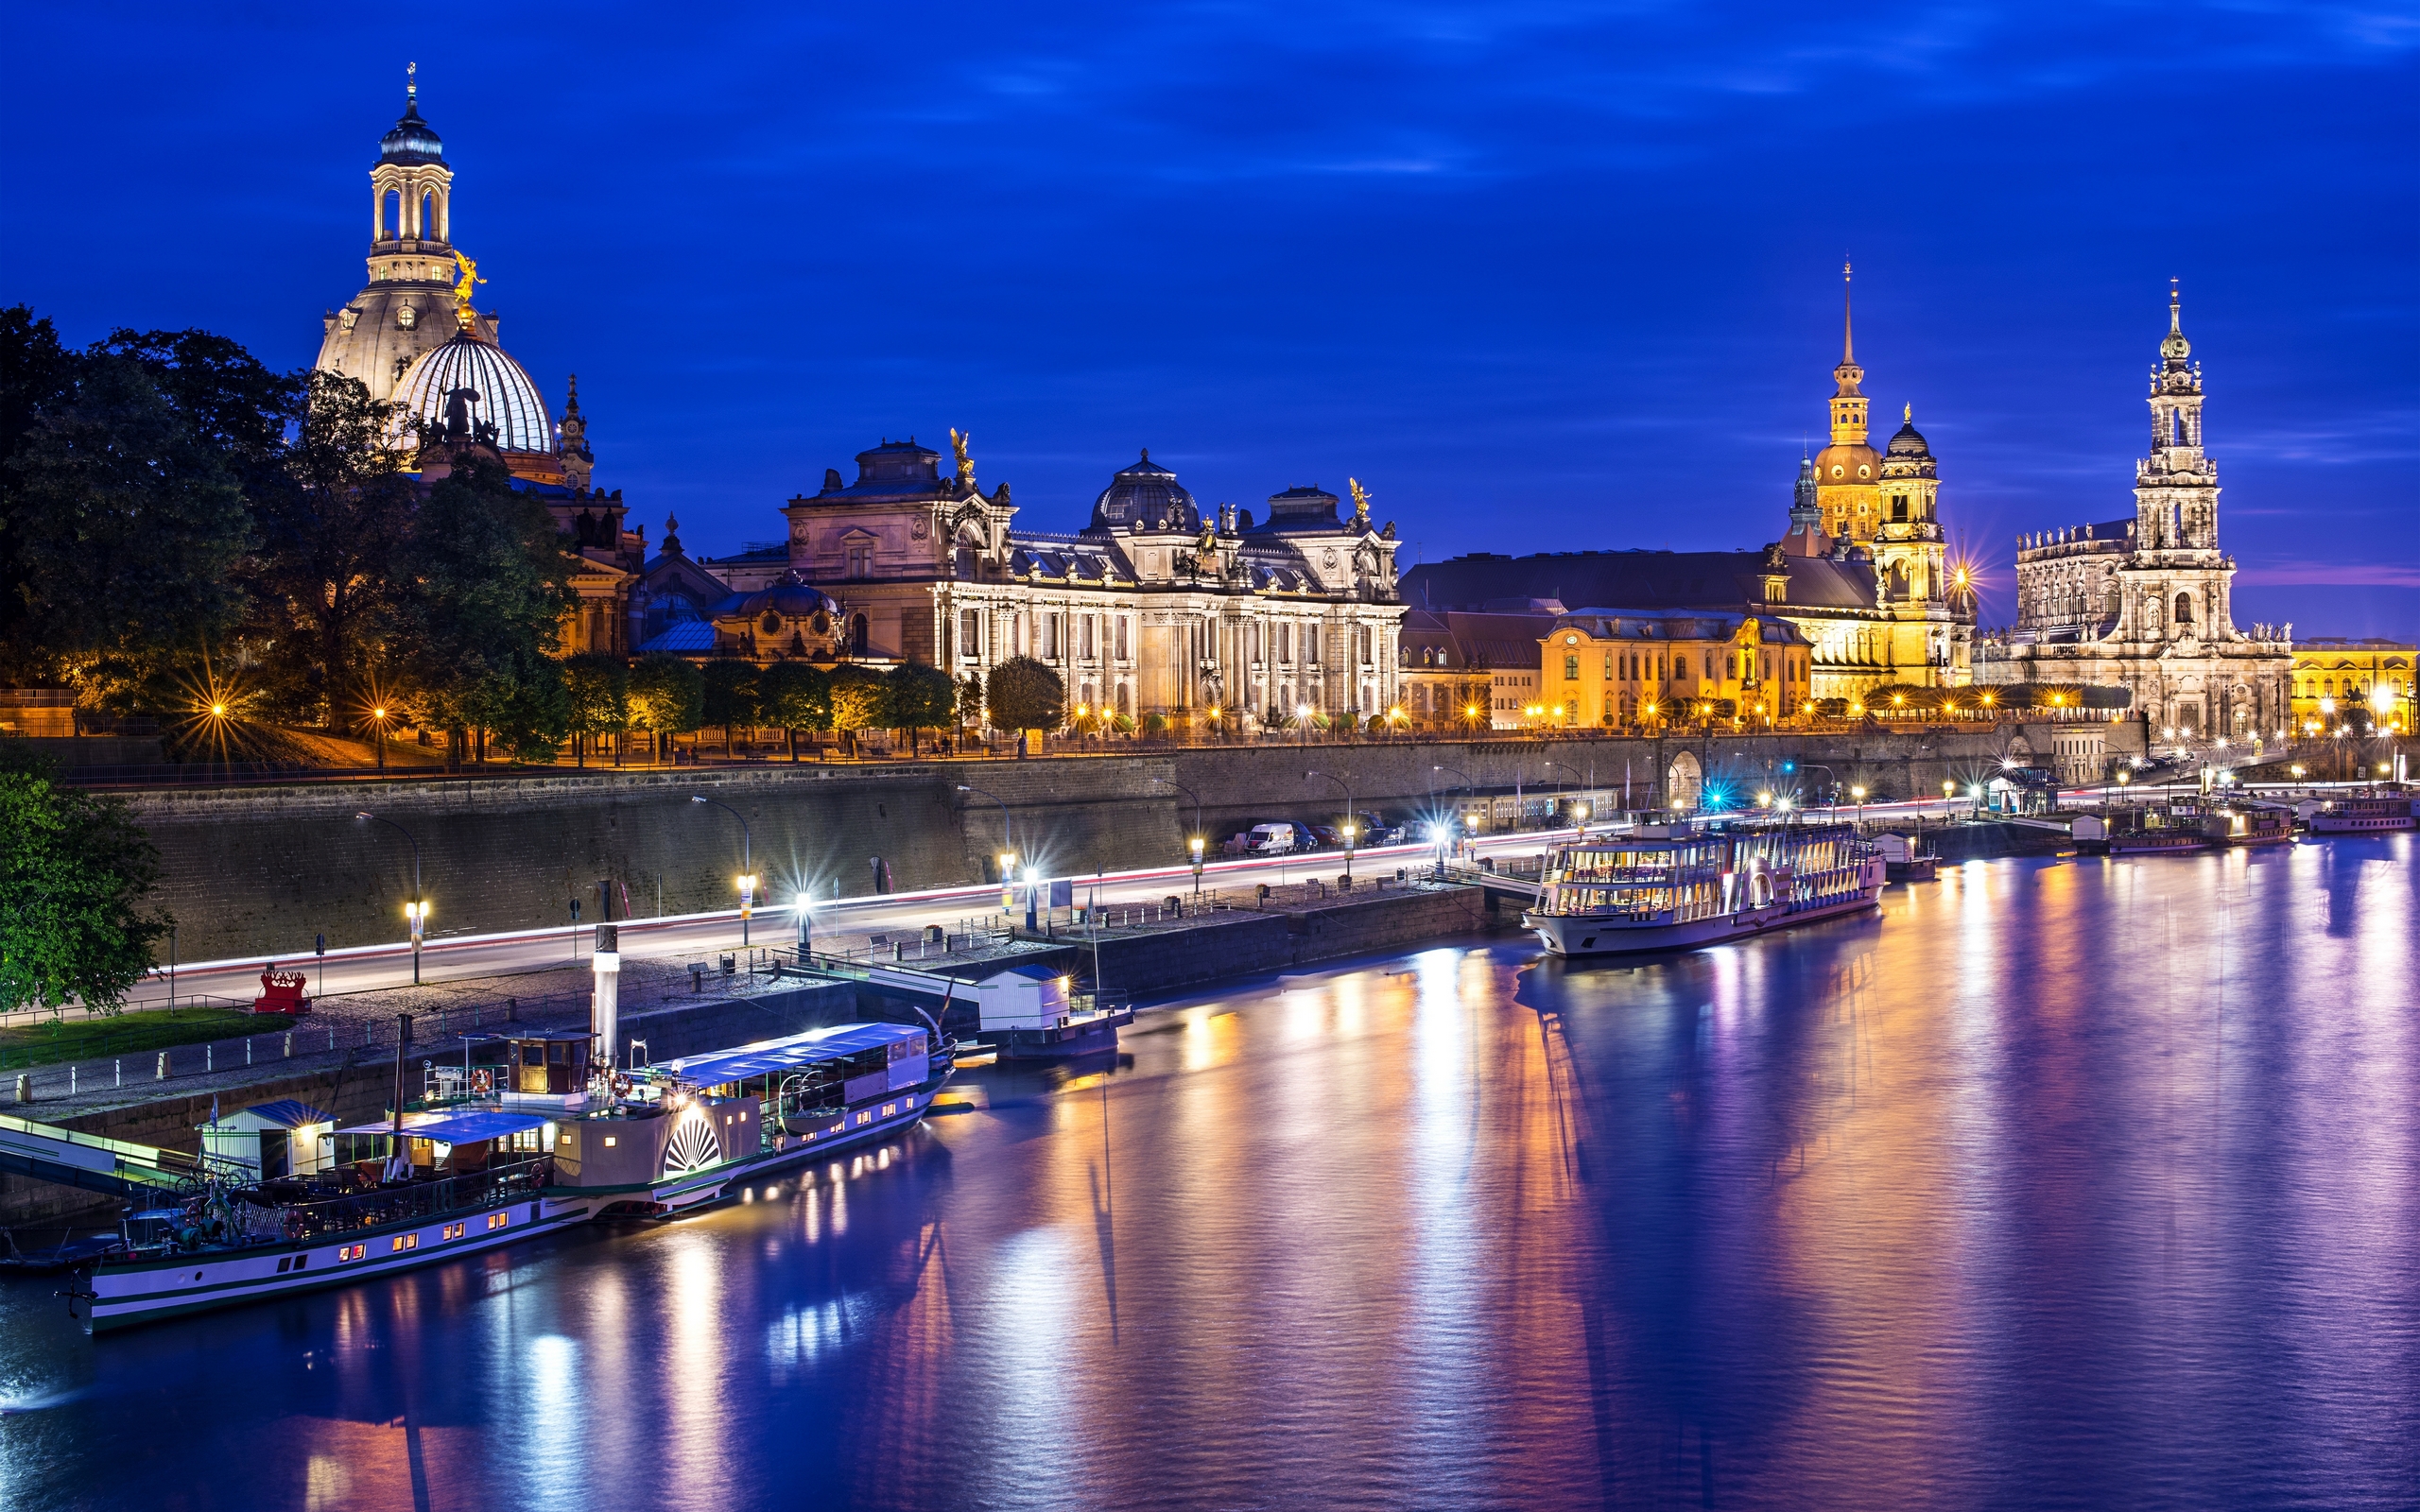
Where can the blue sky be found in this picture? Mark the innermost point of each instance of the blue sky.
(1543, 276)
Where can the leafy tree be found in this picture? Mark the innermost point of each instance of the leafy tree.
(730, 694)
(487, 588)
(531, 708)
(35, 375)
(970, 700)
(795, 696)
(74, 871)
(918, 697)
(333, 519)
(127, 524)
(598, 701)
(667, 697)
(858, 700)
(1025, 693)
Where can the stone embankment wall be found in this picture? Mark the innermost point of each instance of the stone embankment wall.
(263, 869)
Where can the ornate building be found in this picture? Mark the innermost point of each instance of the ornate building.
(1154, 607)
(2143, 602)
(414, 337)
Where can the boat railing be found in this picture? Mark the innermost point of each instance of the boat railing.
(468, 1191)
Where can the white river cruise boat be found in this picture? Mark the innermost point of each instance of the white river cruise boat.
(1681, 885)
(541, 1142)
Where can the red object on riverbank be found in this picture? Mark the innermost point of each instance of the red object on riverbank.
(280, 992)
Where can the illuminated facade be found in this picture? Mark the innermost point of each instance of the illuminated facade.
(2331, 676)
(2144, 602)
(1610, 669)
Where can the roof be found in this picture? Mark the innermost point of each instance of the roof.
(679, 638)
(466, 1126)
(772, 1057)
(499, 392)
(286, 1113)
(1641, 580)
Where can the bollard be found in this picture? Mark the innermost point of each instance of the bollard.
(209, 1057)
(164, 1067)
(511, 1010)
(117, 1072)
(71, 1082)
(289, 1044)
(332, 1039)
(248, 1050)
(24, 1086)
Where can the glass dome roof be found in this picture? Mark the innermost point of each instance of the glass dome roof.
(500, 393)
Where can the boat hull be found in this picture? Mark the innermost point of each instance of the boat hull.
(1578, 934)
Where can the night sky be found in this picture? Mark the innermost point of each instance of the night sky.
(1543, 276)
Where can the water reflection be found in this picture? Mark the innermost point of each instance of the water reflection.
(2077, 1183)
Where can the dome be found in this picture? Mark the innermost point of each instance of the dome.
(788, 598)
(412, 140)
(1910, 442)
(1149, 495)
(1850, 462)
(499, 394)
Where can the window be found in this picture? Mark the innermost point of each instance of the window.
(1571, 669)
(970, 634)
(1285, 642)
(402, 1241)
(352, 1251)
(1310, 643)
(499, 1220)
(1123, 653)
(453, 1231)
(1050, 637)
(861, 559)
(1084, 626)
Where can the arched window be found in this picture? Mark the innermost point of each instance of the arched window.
(390, 214)
(857, 635)
(428, 217)
(2183, 609)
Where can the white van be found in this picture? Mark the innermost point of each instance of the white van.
(1270, 839)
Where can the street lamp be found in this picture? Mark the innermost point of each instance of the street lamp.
(1180, 787)
(1859, 794)
(1948, 790)
(1303, 718)
(378, 724)
(415, 911)
(747, 863)
(1348, 816)
(1195, 844)
(1007, 847)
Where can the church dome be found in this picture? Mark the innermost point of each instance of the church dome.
(1150, 494)
(789, 599)
(1847, 462)
(1910, 442)
(412, 140)
(500, 393)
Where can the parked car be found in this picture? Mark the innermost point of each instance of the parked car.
(1374, 829)
(1324, 837)
(1304, 838)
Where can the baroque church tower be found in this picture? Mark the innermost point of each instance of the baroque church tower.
(1848, 474)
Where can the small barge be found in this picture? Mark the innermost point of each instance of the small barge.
(1685, 884)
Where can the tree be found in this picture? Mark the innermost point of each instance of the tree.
(969, 712)
(1025, 693)
(857, 700)
(487, 588)
(917, 697)
(74, 873)
(730, 694)
(597, 694)
(126, 525)
(332, 519)
(667, 697)
(795, 696)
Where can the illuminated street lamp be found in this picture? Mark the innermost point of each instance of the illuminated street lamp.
(1008, 844)
(747, 862)
(415, 911)
(1858, 794)
(378, 724)
(1195, 844)
(1949, 790)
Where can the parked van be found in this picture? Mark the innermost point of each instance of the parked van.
(1271, 839)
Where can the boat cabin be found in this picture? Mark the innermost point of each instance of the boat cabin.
(1024, 997)
(269, 1141)
(453, 1141)
(552, 1066)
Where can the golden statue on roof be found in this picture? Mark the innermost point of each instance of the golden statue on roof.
(462, 288)
(1361, 500)
(958, 445)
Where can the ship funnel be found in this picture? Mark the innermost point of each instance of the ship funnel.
(605, 1005)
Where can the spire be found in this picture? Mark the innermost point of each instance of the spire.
(2174, 348)
(411, 87)
(1848, 333)
(1846, 376)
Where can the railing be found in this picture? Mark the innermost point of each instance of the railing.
(470, 1193)
(298, 1045)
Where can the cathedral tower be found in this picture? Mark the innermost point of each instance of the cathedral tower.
(2176, 487)
(1849, 472)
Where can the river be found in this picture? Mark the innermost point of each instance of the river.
(2060, 1183)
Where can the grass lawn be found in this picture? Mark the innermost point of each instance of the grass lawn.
(78, 1037)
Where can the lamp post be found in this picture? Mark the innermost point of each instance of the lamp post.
(1948, 790)
(415, 911)
(1008, 831)
(1189, 793)
(747, 863)
(1348, 826)
(1195, 843)
(378, 727)
(1858, 795)
(1458, 772)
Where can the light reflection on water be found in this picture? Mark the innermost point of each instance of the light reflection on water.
(2062, 1184)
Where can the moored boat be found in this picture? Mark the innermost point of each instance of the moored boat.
(475, 1174)
(1685, 884)
(2361, 815)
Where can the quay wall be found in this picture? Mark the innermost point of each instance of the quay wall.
(256, 871)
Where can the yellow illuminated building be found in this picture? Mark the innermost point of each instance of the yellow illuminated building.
(1614, 670)
(2333, 676)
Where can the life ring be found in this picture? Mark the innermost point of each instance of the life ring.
(621, 1086)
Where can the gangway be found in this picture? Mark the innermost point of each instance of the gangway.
(94, 1163)
(1495, 883)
